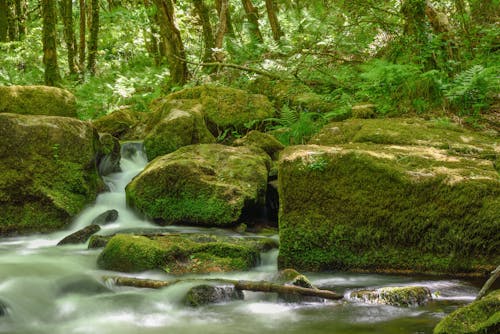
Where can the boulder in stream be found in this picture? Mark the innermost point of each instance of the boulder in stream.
(396, 296)
(4, 308)
(109, 161)
(206, 185)
(81, 236)
(391, 195)
(81, 285)
(106, 217)
(208, 294)
(48, 171)
(292, 277)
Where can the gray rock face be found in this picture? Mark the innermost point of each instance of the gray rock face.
(409, 296)
(81, 236)
(207, 294)
(105, 217)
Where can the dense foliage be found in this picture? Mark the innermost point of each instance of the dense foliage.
(437, 58)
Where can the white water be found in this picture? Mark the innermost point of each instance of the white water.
(49, 289)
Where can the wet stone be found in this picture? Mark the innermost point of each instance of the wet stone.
(106, 217)
(80, 236)
(208, 294)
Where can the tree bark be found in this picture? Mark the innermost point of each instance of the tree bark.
(221, 31)
(485, 11)
(253, 20)
(258, 286)
(229, 24)
(171, 37)
(153, 46)
(94, 32)
(12, 21)
(273, 20)
(494, 275)
(208, 35)
(82, 33)
(69, 33)
(52, 76)
(4, 23)
(20, 18)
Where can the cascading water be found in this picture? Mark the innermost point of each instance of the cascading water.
(46, 288)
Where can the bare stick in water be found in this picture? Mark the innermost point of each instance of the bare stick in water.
(494, 275)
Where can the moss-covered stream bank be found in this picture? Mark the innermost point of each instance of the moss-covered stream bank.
(49, 289)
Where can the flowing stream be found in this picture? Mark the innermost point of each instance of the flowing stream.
(49, 289)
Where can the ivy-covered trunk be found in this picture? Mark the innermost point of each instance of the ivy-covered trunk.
(174, 48)
(253, 20)
(66, 7)
(4, 25)
(208, 35)
(52, 76)
(94, 32)
(83, 28)
(273, 20)
(229, 24)
(20, 12)
(153, 45)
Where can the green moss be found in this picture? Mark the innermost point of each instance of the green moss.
(387, 208)
(481, 316)
(397, 296)
(263, 141)
(121, 123)
(37, 100)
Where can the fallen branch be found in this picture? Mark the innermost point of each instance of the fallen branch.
(258, 286)
(494, 275)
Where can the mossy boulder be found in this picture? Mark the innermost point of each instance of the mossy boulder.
(364, 206)
(209, 294)
(396, 296)
(261, 140)
(109, 159)
(292, 277)
(48, 171)
(181, 254)
(226, 108)
(124, 124)
(482, 316)
(206, 184)
(37, 100)
(172, 128)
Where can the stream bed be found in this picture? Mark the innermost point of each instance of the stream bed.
(46, 288)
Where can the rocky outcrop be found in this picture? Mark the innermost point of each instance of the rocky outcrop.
(48, 171)
(481, 316)
(180, 254)
(208, 185)
(37, 100)
(208, 294)
(81, 236)
(396, 296)
(263, 141)
(391, 195)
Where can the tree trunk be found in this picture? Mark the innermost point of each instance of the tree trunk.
(253, 20)
(259, 286)
(4, 23)
(494, 275)
(174, 48)
(221, 31)
(83, 28)
(21, 18)
(273, 20)
(229, 24)
(208, 35)
(153, 46)
(94, 32)
(485, 11)
(12, 21)
(52, 76)
(69, 33)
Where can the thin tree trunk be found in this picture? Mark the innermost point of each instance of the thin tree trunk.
(174, 48)
(52, 76)
(253, 20)
(12, 21)
(82, 33)
(221, 31)
(208, 35)
(494, 275)
(4, 23)
(20, 17)
(69, 33)
(94, 32)
(273, 20)
(259, 286)
(229, 24)
(153, 45)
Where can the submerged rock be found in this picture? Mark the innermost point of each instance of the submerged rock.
(390, 195)
(4, 309)
(48, 171)
(396, 296)
(80, 236)
(481, 316)
(180, 254)
(207, 294)
(105, 217)
(209, 185)
(37, 100)
(82, 285)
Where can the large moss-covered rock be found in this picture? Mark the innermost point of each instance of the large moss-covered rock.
(172, 128)
(37, 100)
(207, 184)
(226, 108)
(396, 296)
(366, 206)
(261, 140)
(181, 254)
(124, 124)
(481, 316)
(48, 171)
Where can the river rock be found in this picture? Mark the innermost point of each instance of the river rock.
(181, 254)
(396, 296)
(82, 285)
(482, 316)
(292, 277)
(207, 294)
(124, 124)
(391, 195)
(261, 140)
(109, 161)
(48, 171)
(106, 217)
(4, 309)
(207, 184)
(81, 236)
(37, 100)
